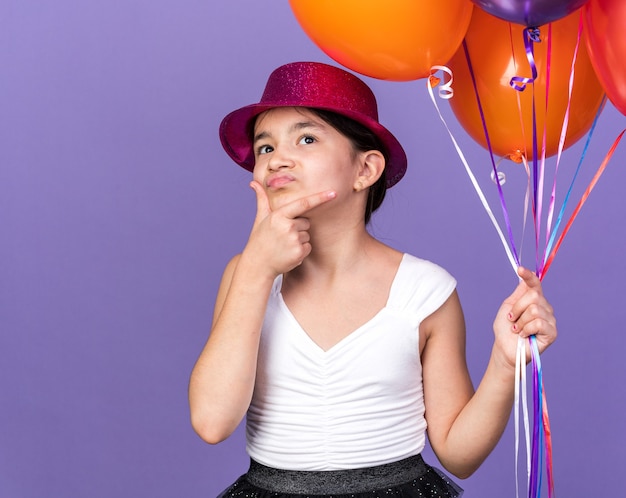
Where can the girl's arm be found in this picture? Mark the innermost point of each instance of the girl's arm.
(222, 380)
(464, 426)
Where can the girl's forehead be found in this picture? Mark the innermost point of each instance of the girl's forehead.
(287, 113)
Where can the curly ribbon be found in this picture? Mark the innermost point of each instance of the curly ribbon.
(518, 156)
(540, 447)
(445, 91)
(432, 81)
(531, 35)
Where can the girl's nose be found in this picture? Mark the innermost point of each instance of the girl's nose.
(280, 159)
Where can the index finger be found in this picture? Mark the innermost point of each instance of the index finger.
(300, 206)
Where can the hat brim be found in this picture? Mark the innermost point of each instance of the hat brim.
(235, 137)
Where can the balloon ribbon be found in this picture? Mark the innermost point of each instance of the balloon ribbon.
(540, 451)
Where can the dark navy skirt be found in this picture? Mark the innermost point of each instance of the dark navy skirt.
(408, 478)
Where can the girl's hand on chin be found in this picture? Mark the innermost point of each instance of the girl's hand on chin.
(279, 240)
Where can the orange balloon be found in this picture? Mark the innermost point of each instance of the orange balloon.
(497, 53)
(395, 40)
(605, 25)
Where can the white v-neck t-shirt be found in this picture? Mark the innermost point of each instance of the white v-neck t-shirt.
(358, 404)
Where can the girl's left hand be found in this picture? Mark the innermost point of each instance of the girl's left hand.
(524, 313)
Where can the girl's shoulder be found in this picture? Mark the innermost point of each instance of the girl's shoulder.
(423, 267)
(421, 285)
(410, 270)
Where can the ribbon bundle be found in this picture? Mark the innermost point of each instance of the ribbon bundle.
(539, 449)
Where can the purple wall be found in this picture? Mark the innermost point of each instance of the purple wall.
(119, 209)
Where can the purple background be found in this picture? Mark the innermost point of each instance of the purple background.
(119, 209)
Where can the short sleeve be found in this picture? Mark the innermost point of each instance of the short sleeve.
(420, 288)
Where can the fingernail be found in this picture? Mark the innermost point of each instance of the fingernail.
(510, 316)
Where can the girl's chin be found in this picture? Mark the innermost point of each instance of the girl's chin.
(282, 198)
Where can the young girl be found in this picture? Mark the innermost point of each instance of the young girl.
(341, 351)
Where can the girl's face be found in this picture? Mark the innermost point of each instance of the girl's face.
(298, 154)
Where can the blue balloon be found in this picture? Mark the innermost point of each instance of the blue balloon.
(531, 13)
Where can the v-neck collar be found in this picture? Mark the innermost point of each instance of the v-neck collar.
(353, 335)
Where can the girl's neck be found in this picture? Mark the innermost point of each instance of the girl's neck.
(335, 250)
(345, 263)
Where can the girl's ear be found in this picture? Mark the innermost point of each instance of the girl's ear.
(370, 169)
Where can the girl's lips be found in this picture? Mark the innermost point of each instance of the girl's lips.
(279, 181)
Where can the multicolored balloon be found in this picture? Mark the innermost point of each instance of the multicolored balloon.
(398, 40)
(497, 54)
(533, 13)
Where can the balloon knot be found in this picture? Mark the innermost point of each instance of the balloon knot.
(433, 81)
(534, 34)
(516, 156)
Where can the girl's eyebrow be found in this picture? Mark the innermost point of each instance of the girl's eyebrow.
(300, 125)
(261, 136)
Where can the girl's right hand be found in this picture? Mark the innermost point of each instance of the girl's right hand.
(280, 239)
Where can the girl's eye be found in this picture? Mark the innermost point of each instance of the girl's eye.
(307, 139)
(265, 149)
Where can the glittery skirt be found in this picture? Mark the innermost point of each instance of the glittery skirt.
(408, 478)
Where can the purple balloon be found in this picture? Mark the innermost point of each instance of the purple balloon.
(532, 13)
